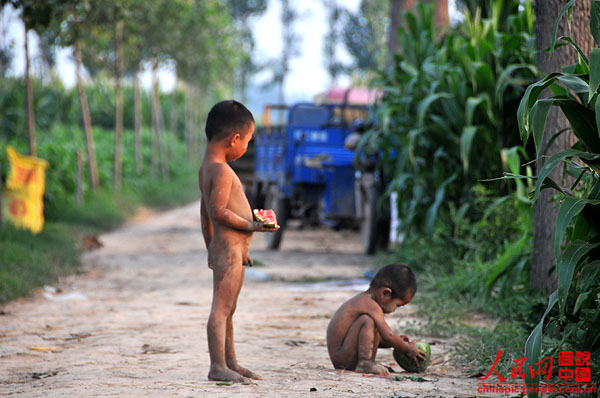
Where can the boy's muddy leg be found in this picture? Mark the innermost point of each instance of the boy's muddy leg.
(226, 287)
(229, 340)
(360, 347)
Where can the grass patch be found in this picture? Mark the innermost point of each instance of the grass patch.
(32, 260)
(28, 261)
(452, 268)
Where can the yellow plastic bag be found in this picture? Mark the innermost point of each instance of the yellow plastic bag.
(23, 199)
(26, 172)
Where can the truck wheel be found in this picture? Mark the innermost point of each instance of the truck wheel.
(278, 203)
(368, 226)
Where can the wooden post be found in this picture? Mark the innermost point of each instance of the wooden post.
(118, 161)
(79, 182)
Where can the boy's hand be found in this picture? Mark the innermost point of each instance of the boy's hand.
(259, 226)
(415, 354)
(405, 338)
(248, 261)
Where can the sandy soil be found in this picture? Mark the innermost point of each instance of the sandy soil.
(132, 322)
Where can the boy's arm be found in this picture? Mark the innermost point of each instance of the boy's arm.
(207, 230)
(219, 197)
(391, 339)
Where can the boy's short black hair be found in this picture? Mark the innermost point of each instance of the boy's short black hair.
(225, 117)
(399, 278)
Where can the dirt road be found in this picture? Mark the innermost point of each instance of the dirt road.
(132, 323)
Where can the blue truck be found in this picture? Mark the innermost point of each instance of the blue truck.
(303, 170)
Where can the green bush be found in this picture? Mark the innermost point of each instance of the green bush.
(448, 109)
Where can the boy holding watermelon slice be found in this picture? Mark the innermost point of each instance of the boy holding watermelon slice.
(227, 226)
(358, 328)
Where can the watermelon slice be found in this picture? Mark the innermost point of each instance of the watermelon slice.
(409, 365)
(267, 217)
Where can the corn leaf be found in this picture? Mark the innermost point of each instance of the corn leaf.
(506, 259)
(554, 160)
(538, 116)
(533, 346)
(565, 268)
(531, 95)
(595, 21)
(574, 83)
(594, 73)
(439, 196)
(424, 106)
(569, 208)
(583, 121)
(466, 140)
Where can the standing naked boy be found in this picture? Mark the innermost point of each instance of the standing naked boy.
(358, 327)
(227, 226)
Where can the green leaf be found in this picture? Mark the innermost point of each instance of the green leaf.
(595, 21)
(439, 196)
(565, 268)
(538, 116)
(560, 15)
(424, 105)
(581, 228)
(574, 83)
(583, 121)
(466, 140)
(533, 345)
(502, 81)
(506, 259)
(531, 95)
(580, 299)
(568, 209)
(472, 104)
(594, 73)
(570, 41)
(554, 160)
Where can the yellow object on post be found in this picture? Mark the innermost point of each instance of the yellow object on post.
(23, 201)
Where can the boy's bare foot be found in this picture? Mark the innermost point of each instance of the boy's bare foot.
(371, 367)
(220, 373)
(245, 372)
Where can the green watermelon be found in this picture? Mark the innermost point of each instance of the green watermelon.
(267, 217)
(409, 365)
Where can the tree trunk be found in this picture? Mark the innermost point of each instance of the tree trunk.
(155, 123)
(441, 16)
(173, 119)
(29, 92)
(543, 261)
(137, 116)
(187, 129)
(118, 162)
(87, 121)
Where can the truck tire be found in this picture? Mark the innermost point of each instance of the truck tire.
(275, 200)
(368, 225)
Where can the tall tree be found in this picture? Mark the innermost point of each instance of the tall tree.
(332, 39)
(398, 7)
(364, 35)
(241, 12)
(543, 260)
(36, 15)
(77, 20)
(289, 48)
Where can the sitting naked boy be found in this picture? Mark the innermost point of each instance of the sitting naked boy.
(358, 327)
(227, 226)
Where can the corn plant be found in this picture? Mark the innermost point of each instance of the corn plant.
(448, 109)
(576, 323)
